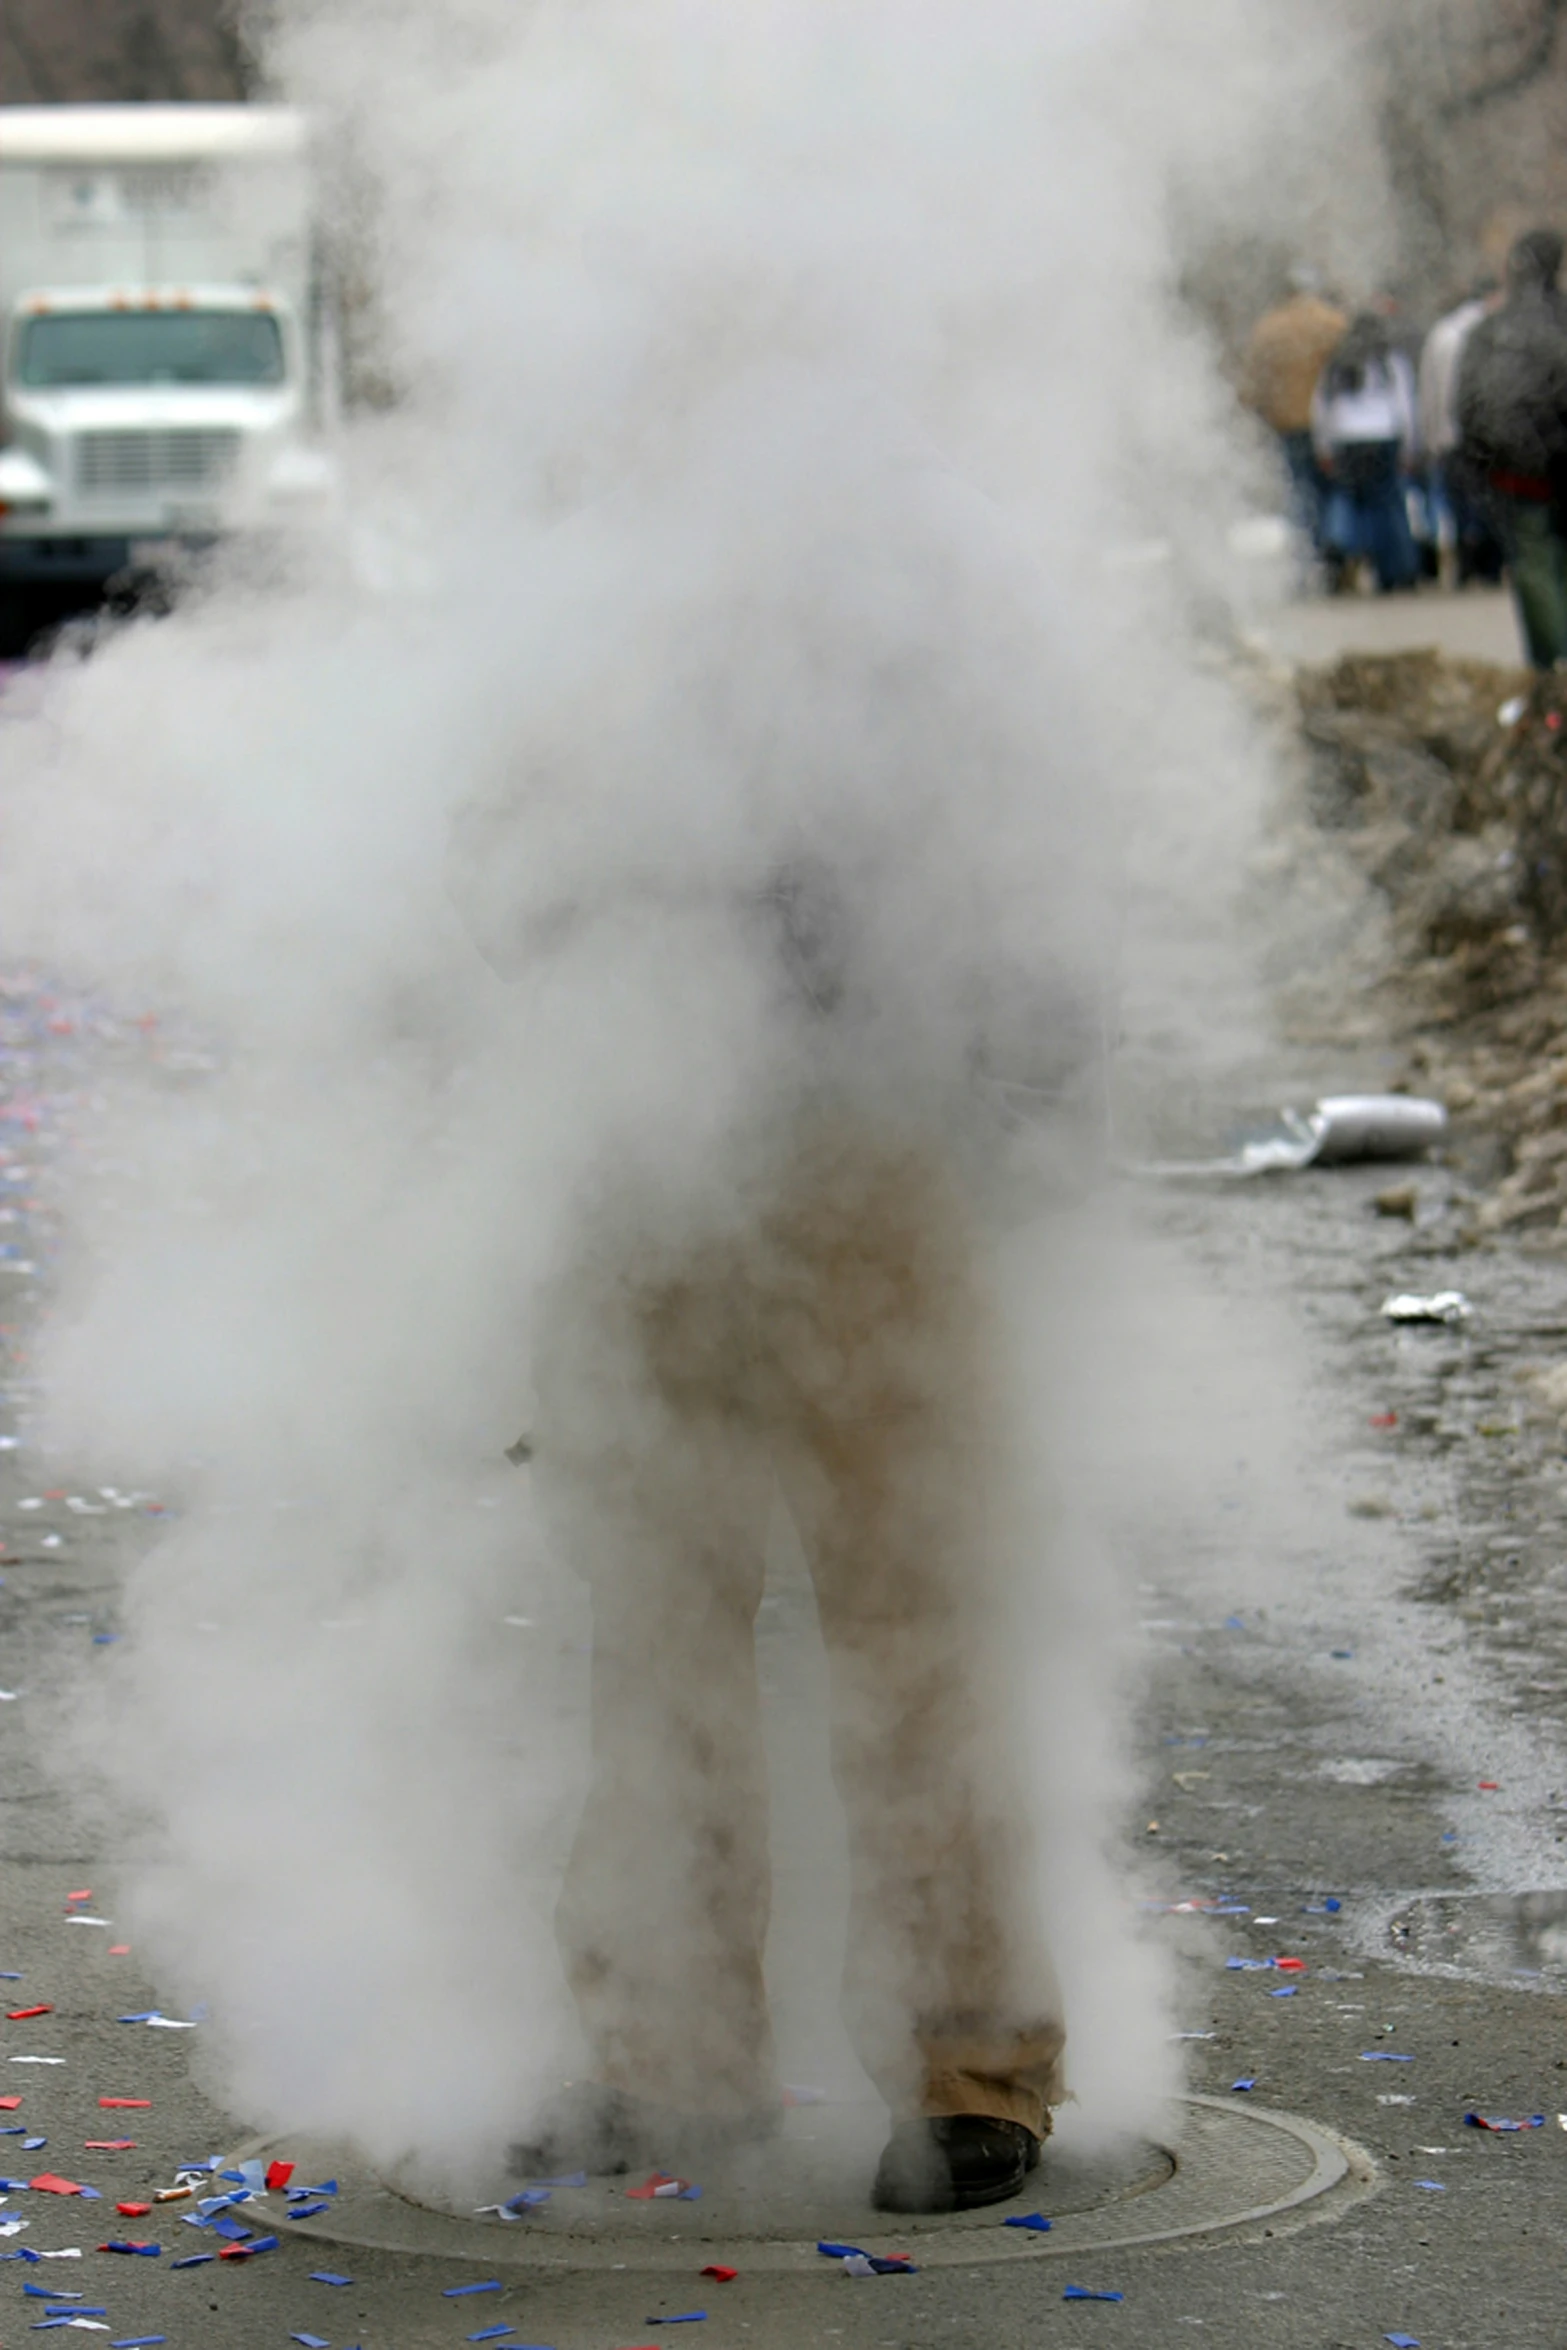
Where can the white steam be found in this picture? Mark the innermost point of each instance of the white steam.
(776, 382)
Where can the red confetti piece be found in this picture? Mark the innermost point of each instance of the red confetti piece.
(49, 2183)
(9, 2104)
(133, 2210)
(725, 2276)
(650, 2186)
(19, 2015)
(86, 1892)
(278, 2175)
(1290, 1966)
(235, 2252)
(1490, 1787)
(1384, 1419)
(108, 2146)
(126, 2104)
(119, 1950)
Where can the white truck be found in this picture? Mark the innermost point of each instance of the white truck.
(167, 357)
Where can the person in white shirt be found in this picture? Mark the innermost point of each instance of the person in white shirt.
(1367, 436)
(1466, 534)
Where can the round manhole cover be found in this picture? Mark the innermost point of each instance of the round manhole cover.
(1223, 2166)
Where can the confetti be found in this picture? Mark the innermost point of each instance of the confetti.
(723, 2276)
(1030, 2219)
(1082, 2293)
(125, 2104)
(19, 2015)
(327, 2276)
(278, 2173)
(461, 2292)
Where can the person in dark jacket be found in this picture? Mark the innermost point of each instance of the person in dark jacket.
(1512, 416)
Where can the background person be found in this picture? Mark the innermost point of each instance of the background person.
(1512, 414)
(1289, 346)
(1365, 434)
(1466, 533)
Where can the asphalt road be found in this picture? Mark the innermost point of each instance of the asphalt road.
(1382, 1732)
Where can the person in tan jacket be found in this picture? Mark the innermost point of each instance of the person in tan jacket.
(1289, 347)
(887, 904)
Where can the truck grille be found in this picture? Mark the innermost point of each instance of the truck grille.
(108, 463)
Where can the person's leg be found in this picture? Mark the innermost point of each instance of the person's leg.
(876, 1324)
(658, 1492)
(1530, 544)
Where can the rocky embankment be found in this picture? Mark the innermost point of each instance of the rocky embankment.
(1445, 782)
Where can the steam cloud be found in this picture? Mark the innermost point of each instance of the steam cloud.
(776, 383)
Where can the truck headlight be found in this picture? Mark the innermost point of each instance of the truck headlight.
(302, 477)
(25, 488)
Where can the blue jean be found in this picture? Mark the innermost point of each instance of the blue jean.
(1366, 514)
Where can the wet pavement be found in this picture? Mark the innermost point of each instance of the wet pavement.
(1363, 1769)
(1353, 1760)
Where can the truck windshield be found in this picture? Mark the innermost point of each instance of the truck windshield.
(150, 347)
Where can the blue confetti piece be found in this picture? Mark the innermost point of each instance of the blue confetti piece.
(1403, 2341)
(231, 2231)
(193, 2260)
(107, 1640)
(1332, 1906)
(71, 2308)
(1081, 2293)
(1239, 2088)
(1287, 1993)
(840, 2251)
(327, 2276)
(31, 2145)
(90, 2194)
(1248, 1966)
(47, 2293)
(529, 2200)
(491, 2333)
(1383, 2056)
(14, 2186)
(687, 2317)
(262, 2244)
(1343, 1654)
(8, 1976)
(1030, 2219)
(138, 2341)
(306, 2210)
(461, 2292)
(144, 2016)
(1432, 2186)
(312, 2341)
(1449, 1836)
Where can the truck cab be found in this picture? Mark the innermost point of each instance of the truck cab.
(167, 370)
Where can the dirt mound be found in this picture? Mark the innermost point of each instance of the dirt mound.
(1446, 781)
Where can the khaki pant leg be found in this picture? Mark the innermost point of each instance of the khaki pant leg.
(876, 1321)
(663, 1916)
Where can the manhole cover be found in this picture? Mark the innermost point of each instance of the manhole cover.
(1225, 2166)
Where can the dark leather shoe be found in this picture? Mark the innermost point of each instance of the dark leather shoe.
(604, 2132)
(953, 2162)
